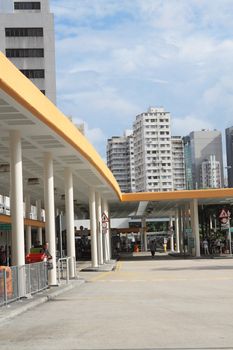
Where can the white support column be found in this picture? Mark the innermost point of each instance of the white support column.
(177, 231)
(69, 200)
(50, 214)
(195, 226)
(106, 232)
(16, 199)
(92, 210)
(99, 228)
(39, 218)
(172, 234)
(181, 228)
(211, 223)
(144, 234)
(28, 228)
(109, 233)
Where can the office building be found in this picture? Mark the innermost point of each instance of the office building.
(199, 146)
(27, 39)
(120, 160)
(229, 150)
(152, 151)
(178, 170)
(188, 163)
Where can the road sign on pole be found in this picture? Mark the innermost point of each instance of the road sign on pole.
(225, 219)
(224, 216)
(105, 218)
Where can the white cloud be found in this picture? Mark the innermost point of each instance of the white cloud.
(94, 135)
(115, 58)
(183, 126)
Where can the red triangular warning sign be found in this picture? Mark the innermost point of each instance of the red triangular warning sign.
(224, 214)
(105, 218)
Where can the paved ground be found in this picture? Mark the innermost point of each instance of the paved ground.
(143, 304)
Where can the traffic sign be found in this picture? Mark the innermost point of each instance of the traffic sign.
(224, 214)
(105, 218)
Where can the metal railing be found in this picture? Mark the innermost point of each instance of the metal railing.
(21, 281)
(63, 268)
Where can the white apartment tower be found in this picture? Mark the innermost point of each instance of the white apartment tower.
(178, 168)
(27, 39)
(210, 173)
(120, 160)
(152, 151)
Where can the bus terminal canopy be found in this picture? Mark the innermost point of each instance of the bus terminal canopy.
(43, 128)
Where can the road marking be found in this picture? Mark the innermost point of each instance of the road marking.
(164, 279)
(119, 265)
(103, 274)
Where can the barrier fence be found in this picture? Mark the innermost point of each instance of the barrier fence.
(20, 281)
(63, 268)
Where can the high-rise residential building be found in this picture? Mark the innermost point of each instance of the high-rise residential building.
(178, 170)
(120, 160)
(210, 173)
(27, 39)
(199, 146)
(152, 151)
(188, 163)
(229, 149)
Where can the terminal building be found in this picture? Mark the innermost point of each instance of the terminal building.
(48, 167)
(46, 160)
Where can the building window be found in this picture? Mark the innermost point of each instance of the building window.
(24, 32)
(24, 52)
(23, 5)
(33, 73)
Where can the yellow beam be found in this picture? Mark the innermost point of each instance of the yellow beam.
(22, 90)
(6, 219)
(177, 195)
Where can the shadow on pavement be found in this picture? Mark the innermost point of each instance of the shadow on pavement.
(142, 257)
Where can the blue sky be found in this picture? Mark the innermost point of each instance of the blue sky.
(115, 58)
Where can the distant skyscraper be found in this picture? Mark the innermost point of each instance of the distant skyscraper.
(178, 170)
(211, 173)
(27, 39)
(120, 160)
(229, 149)
(200, 145)
(152, 151)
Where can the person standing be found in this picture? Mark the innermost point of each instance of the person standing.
(45, 250)
(206, 247)
(153, 247)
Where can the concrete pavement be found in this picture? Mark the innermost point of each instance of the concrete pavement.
(144, 304)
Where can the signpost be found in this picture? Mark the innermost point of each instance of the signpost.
(105, 221)
(225, 219)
